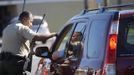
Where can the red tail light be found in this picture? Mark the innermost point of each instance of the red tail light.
(113, 42)
(109, 66)
(112, 48)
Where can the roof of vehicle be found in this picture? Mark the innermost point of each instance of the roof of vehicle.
(123, 13)
(126, 13)
(37, 17)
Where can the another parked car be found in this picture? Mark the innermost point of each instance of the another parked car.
(43, 27)
(108, 44)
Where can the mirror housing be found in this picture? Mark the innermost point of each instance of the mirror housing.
(42, 52)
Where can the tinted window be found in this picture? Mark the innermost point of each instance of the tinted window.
(130, 35)
(126, 37)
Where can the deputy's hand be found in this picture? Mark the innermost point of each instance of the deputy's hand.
(54, 34)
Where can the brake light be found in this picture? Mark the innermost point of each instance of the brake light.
(111, 56)
(109, 67)
(113, 42)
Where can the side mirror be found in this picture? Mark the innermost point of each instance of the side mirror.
(42, 52)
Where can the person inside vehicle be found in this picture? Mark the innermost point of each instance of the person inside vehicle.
(70, 52)
(73, 49)
(69, 57)
(16, 45)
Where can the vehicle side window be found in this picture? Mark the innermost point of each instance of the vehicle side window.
(61, 44)
(75, 45)
(76, 42)
(130, 35)
(125, 44)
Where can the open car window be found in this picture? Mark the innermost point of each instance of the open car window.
(75, 46)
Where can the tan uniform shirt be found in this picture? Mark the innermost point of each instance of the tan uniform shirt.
(16, 39)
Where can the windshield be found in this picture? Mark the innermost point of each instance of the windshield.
(37, 21)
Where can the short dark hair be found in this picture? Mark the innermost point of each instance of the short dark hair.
(25, 14)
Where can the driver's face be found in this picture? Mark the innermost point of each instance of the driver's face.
(75, 37)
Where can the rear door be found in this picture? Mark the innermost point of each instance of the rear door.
(125, 48)
(95, 40)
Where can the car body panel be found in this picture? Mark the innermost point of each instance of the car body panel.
(95, 49)
(125, 65)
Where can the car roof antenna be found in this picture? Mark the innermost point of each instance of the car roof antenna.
(24, 4)
(41, 22)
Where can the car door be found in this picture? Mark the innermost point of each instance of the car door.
(125, 48)
(96, 39)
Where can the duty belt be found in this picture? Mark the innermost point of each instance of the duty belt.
(9, 56)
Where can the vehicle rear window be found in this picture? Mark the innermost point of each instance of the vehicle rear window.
(125, 46)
